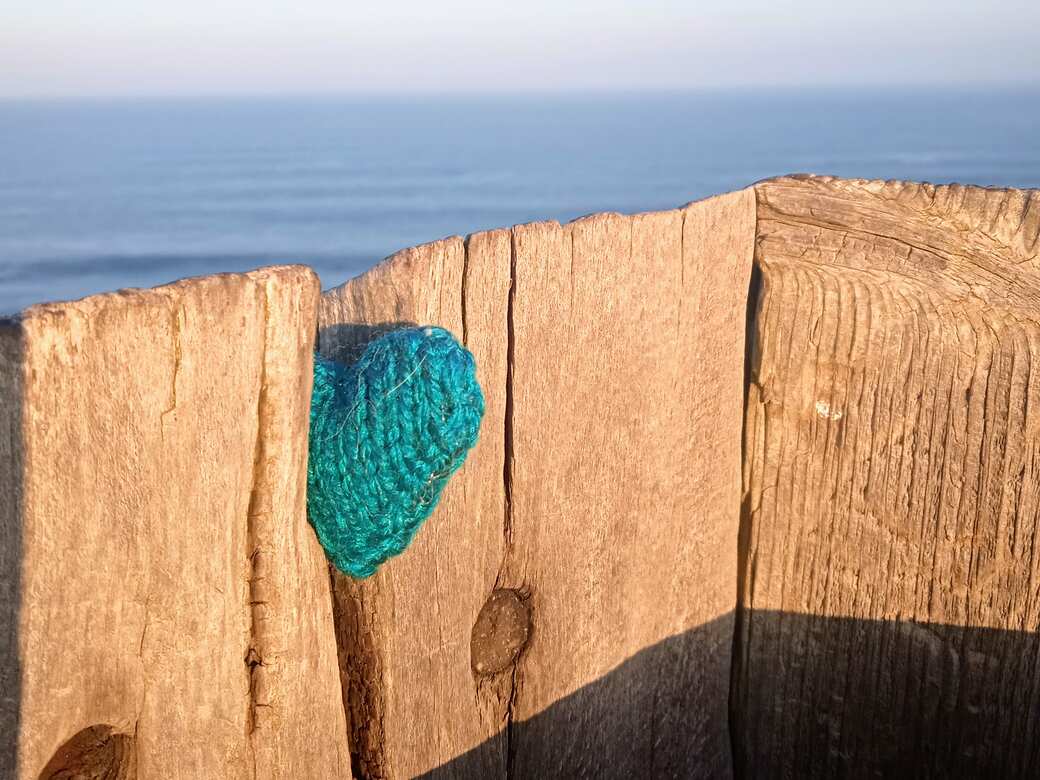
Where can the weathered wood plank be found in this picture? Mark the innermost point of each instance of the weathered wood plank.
(602, 500)
(404, 634)
(890, 582)
(629, 360)
(298, 722)
(166, 594)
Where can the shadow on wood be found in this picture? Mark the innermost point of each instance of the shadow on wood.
(602, 731)
(346, 342)
(11, 352)
(94, 752)
(890, 481)
(941, 701)
(845, 697)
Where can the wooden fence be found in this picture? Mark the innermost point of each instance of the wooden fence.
(756, 493)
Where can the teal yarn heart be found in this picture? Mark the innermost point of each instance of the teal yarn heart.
(386, 435)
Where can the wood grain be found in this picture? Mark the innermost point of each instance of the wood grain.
(404, 634)
(603, 494)
(169, 603)
(568, 610)
(629, 344)
(890, 588)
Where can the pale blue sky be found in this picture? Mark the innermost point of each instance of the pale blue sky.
(199, 47)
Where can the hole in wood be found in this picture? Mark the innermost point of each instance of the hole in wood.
(500, 633)
(95, 753)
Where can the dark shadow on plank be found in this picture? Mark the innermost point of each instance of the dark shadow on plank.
(344, 343)
(661, 713)
(11, 505)
(814, 697)
(844, 697)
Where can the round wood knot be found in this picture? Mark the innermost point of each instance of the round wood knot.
(95, 753)
(500, 633)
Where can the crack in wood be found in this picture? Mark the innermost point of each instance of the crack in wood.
(463, 286)
(507, 483)
(257, 500)
(176, 315)
(507, 472)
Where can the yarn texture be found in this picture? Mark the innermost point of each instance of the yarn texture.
(386, 434)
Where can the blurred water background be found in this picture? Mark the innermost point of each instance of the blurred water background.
(101, 194)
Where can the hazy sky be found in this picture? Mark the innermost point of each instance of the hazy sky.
(195, 47)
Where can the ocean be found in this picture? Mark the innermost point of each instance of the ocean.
(98, 194)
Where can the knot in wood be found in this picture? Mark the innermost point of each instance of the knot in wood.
(500, 633)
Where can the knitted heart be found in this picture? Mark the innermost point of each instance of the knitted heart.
(386, 434)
